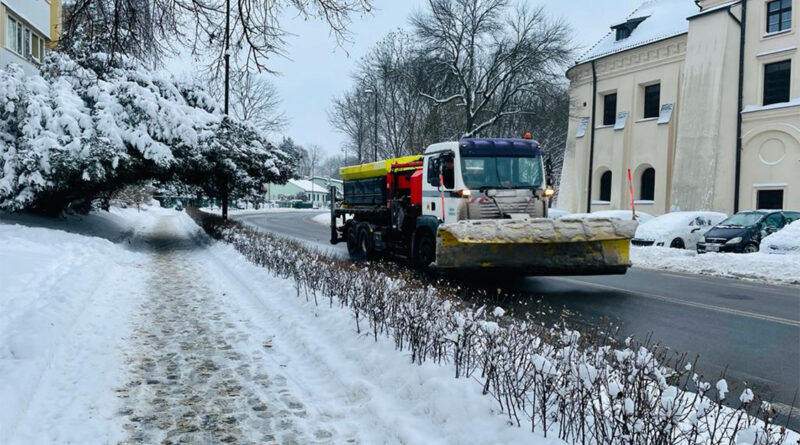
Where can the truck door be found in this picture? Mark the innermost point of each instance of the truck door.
(438, 195)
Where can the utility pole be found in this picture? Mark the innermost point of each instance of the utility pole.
(374, 92)
(227, 96)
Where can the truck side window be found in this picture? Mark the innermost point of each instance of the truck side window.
(433, 171)
(449, 172)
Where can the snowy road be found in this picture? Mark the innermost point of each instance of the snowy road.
(184, 341)
(748, 330)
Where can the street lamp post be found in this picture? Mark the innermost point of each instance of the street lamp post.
(374, 92)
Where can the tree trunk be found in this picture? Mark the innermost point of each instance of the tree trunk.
(225, 199)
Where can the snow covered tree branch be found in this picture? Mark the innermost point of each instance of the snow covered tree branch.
(87, 127)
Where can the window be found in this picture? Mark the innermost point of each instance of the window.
(610, 109)
(605, 186)
(769, 199)
(779, 16)
(648, 187)
(774, 221)
(776, 82)
(791, 217)
(652, 101)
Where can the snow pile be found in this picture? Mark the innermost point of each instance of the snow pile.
(755, 266)
(786, 240)
(642, 217)
(552, 381)
(54, 308)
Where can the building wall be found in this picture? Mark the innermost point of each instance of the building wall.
(705, 155)
(36, 16)
(770, 135)
(35, 12)
(640, 144)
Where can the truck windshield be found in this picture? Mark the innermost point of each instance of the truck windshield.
(502, 172)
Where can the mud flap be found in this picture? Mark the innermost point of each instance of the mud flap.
(537, 246)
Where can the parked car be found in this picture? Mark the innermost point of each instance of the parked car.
(743, 232)
(619, 214)
(179, 206)
(783, 242)
(679, 230)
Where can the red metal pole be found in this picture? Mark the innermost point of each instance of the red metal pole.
(630, 190)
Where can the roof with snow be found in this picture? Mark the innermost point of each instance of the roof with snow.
(308, 186)
(654, 20)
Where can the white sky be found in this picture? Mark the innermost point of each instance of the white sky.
(317, 69)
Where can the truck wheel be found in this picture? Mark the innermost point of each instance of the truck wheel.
(425, 249)
(353, 247)
(365, 242)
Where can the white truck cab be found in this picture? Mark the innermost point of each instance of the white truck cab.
(484, 179)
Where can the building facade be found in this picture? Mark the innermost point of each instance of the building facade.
(659, 97)
(28, 29)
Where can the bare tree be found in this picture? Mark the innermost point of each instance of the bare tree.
(255, 100)
(489, 55)
(151, 29)
(350, 116)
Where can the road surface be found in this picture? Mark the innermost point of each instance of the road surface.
(748, 331)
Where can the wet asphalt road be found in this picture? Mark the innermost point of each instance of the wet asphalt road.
(749, 331)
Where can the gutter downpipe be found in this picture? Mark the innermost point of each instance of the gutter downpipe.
(591, 143)
(738, 172)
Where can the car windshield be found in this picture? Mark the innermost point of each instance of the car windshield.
(502, 172)
(742, 220)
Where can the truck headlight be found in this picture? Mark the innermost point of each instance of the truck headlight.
(736, 240)
(549, 192)
(702, 239)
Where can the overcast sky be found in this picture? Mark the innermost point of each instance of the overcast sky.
(318, 70)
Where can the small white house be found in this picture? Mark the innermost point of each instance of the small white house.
(317, 194)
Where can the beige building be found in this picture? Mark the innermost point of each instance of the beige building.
(28, 28)
(660, 95)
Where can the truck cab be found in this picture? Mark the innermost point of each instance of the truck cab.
(484, 179)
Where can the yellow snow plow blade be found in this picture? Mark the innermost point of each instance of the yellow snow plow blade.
(537, 246)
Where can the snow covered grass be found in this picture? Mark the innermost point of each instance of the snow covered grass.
(776, 269)
(54, 302)
(553, 381)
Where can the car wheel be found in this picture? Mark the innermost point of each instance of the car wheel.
(353, 247)
(677, 243)
(750, 248)
(425, 250)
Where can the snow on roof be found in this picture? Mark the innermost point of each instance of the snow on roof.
(662, 19)
(308, 186)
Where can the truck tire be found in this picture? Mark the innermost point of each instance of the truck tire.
(366, 243)
(353, 247)
(424, 249)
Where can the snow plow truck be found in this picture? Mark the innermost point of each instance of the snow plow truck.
(474, 204)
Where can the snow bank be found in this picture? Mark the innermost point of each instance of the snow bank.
(56, 306)
(778, 269)
(786, 240)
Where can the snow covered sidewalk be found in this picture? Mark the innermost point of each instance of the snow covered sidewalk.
(184, 341)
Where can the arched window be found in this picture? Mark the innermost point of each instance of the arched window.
(647, 190)
(605, 186)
